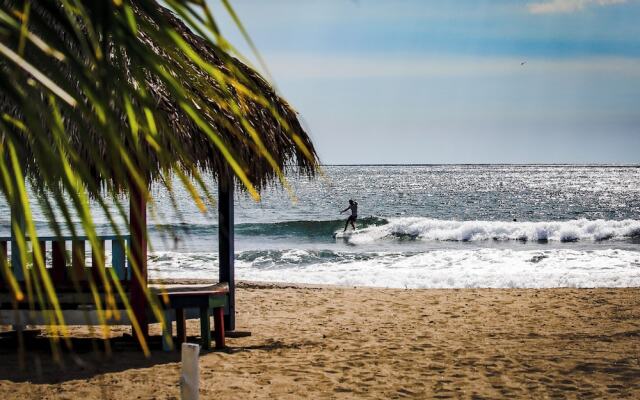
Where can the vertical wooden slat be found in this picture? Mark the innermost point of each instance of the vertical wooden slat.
(16, 264)
(43, 250)
(98, 258)
(77, 260)
(167, 331)
(138, 255)
(118, 258)
(58, 261)
(127, 265)
(3, 263)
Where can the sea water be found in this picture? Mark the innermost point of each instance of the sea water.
(431, 226)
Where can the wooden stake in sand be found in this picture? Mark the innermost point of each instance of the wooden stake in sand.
(190, 375)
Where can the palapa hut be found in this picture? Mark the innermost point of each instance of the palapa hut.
(238, 117)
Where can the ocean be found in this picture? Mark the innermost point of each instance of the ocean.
(419, 226)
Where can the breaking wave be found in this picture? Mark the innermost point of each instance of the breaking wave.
(480, 268)
(304, 228)
(372, 229)
(465, 231)
(308, 229)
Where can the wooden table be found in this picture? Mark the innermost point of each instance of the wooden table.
(211, 301)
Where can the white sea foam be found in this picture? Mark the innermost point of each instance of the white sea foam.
(473, 268)
(442, 230)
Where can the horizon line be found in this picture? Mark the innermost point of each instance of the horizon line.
(594, 164)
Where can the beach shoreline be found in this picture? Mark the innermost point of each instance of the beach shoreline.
(321, 341)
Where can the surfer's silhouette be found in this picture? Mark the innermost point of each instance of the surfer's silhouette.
(353, 206)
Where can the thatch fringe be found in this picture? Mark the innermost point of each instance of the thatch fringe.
(230, 111)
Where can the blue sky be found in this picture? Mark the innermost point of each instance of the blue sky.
(442, 82)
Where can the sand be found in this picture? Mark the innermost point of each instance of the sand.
(311, 342)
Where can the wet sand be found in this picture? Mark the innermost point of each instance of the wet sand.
(324, 342)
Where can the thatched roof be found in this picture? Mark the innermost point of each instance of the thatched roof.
(272, 118)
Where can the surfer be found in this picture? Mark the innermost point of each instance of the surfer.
(353, 206)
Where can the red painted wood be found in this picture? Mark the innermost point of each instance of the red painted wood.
(77, 260)
(218, 324)
(181, 326)
(218, 292)
(58, 261)
(97, 255)
(138, 254)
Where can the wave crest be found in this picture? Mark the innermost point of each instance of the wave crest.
(466, 231)
(304, 228)
(283, 229)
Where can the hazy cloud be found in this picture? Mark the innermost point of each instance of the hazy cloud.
(568, 6)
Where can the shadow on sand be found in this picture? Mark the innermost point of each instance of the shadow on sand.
(31, 359)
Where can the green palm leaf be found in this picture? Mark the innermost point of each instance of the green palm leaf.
(101, 97)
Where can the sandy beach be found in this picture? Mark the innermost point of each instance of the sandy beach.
(328, 342)
(447, 192)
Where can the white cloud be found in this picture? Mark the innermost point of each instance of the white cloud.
(568, 6)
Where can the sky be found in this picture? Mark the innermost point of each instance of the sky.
(464, 81)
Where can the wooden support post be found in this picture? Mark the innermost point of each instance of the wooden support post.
(138, 254)
(190, 373)
(226, 245)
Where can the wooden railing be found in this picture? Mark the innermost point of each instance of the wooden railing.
(61, 271)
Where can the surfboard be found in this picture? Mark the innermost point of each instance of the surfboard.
(344, 235)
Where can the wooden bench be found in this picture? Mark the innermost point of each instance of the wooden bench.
(71, 282)
(67, 275)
